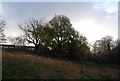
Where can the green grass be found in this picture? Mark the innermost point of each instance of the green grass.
(17, 66)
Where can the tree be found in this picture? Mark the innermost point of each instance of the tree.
(117, 42)
(103, 45)
(2, 35)
(46, 34)
(18, 41)
(62, 32)
(107, 43)
(33, 33)
(97, 47)
(66, 42)
(57, 36)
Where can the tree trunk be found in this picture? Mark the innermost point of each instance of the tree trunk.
(108, 47)
(36, 48)
(59, 51)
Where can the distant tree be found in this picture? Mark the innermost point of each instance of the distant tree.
(103, 45)
(117, 42)
(97, 47)
(2, 27)
(107, 43)
(33, 33)
(17, 41)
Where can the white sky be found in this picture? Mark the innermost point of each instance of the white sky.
(92, 19)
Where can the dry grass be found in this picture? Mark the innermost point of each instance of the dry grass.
(31, 66)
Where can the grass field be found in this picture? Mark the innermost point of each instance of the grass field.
(26, 66)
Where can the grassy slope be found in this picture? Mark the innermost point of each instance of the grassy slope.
(16, 66)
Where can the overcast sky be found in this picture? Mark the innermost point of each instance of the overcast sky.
(92, 19)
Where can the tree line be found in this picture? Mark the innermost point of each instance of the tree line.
(58, 38)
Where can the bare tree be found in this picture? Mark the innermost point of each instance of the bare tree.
(32, 31)
(18, 41)
(2, 26)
